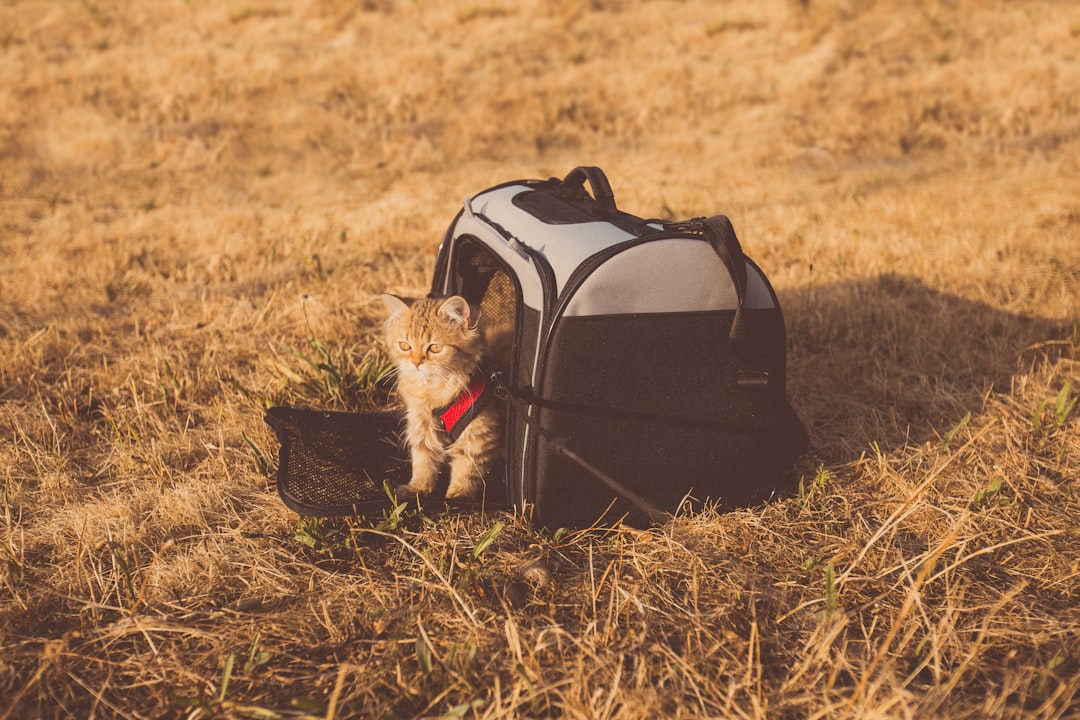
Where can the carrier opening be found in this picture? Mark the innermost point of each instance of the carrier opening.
(483, 279)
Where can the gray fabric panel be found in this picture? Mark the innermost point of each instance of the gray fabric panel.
(675, 275)
(532, 292)
(564, 246)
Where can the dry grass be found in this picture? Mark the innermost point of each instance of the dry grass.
(193, 195)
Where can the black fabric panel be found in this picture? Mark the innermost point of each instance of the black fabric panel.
(663, 464)
(441, 260)
(547, 208)
(680, 365)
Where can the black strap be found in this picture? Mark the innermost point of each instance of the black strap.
(572, 187)
(770, 422)
(721, 236)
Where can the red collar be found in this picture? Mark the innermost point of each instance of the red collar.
(453, 418)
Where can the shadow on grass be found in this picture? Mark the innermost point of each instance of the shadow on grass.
(892, 361)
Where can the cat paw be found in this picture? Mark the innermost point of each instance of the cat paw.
(463, 492)
(409, 492)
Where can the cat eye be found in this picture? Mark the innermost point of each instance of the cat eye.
(434, 348)
(405, 347)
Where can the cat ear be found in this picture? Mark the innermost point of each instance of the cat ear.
(394, 304)
(457, 310)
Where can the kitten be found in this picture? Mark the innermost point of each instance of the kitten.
(437, 348)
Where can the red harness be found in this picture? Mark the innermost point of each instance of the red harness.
(453, 418)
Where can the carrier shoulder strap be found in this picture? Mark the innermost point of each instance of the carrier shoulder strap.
(720, 234)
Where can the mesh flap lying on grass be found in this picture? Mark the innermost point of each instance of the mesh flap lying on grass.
(333, 464)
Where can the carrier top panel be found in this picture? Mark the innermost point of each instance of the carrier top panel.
(565, 246)
(640, 279)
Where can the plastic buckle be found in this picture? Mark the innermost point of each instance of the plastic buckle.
(692, 225)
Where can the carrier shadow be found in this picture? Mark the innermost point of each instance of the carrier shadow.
(892, 361)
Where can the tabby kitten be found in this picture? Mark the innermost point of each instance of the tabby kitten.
(438, 348)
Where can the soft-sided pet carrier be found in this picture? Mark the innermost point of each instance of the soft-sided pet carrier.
(648, 364)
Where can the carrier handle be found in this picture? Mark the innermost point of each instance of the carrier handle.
(720, 234)
(572, 187)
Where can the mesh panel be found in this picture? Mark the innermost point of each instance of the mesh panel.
(499, 304)
(334, 463)
(483, 281)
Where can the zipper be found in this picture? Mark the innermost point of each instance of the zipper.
(547, 282)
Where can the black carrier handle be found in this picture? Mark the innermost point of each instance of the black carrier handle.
(572, 187)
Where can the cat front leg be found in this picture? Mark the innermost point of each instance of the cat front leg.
(466, 476)
(473, 455)
(425, 471)
(428, 453)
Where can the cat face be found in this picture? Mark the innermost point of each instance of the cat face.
(432, 338)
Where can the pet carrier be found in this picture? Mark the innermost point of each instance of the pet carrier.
(648, 363)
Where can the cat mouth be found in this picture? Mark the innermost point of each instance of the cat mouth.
(425, 372)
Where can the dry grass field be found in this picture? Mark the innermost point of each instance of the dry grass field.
(198, 200)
